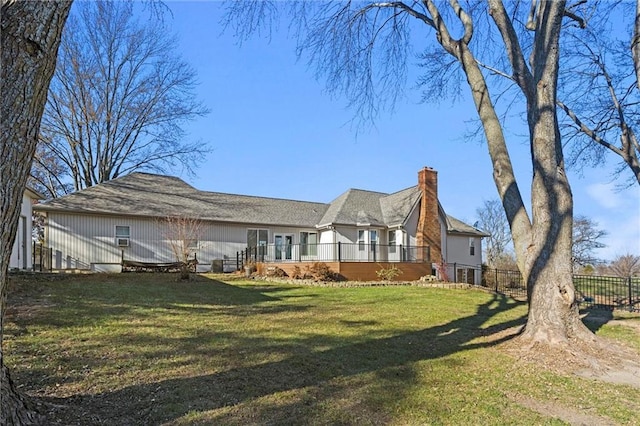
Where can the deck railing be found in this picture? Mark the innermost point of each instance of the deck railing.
(334, 252)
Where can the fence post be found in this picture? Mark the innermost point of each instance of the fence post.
(401, 253)
(630, 301)
(374, 251)
(496, 280)
(339, 251)
(455, 274)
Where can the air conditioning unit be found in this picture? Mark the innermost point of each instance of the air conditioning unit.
(123, 242)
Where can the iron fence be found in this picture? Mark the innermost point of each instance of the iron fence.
(609, 293)
(332, 252)
(592, 291)
(42, 257)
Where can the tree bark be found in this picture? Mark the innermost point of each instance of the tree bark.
(543, 243)
(31, 33)
(553, 310)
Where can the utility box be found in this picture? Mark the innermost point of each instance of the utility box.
(217, 266)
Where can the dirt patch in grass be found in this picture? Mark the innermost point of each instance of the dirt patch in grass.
(573, 416)
(602, 359)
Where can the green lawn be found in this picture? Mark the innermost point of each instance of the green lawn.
(146, 349)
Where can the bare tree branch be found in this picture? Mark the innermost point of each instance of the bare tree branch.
(119, 97)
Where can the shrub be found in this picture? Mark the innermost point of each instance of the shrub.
(441, 267)
(274, 271)
(296, 274)
(387, 274)
(320, 271)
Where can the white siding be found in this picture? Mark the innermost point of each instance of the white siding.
(88, 242)
(21, 253)
(458, 253)
(412, 228)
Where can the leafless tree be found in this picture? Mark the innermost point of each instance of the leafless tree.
(118, 98)
(30, 36)
(586, 236)
(492, 220)
(182, 234)
(627, 265)
(49, 176)
(599, 90)
(586, 239)
(363, 50)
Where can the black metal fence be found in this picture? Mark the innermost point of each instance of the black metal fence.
(333, 252)
(42, 257)
(593, 291)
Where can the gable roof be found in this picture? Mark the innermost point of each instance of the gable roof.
(456, 226)
(151, 195)
(33, 194)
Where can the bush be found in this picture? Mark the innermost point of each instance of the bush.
(320, 271)
(297, 273)
(389, 273)
(274, 271)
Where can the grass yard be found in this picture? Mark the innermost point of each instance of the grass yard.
(144, 349)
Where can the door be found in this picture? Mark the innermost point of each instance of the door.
(283, 245)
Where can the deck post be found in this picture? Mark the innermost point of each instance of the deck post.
(630, 295)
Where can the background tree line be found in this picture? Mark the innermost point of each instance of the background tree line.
(587, 236)
(117, 101)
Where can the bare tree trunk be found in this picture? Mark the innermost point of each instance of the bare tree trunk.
(635, 45)
(31, 33)
(553, 311)
(543, 244)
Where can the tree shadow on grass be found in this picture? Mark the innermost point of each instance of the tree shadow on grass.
(311, 372)
(595, 318)
(124, 298)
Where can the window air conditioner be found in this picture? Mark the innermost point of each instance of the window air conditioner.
(123, 242)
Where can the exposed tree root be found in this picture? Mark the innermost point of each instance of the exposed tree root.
(16, 408)
(592, 357)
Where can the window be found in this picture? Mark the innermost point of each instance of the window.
(309, 243)
(257, 239)
(361, 239)
(192, 244)
(373, 239)
(392, 241)
(123, 234)
(472, 247)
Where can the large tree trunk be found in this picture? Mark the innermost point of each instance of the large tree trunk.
(31, 32)
(553, 311)
(543, 244)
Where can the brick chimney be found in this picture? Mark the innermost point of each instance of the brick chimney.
(428, 232)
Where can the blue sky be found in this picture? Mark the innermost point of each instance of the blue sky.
(275, 132)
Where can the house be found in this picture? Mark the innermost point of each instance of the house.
(356, 234)
(21, 253)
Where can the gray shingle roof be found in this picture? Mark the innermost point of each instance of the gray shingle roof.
(397, 207)
(144, 194)
(457, 226)
(150, 195)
